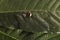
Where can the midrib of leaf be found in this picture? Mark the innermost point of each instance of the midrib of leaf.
(23, 11)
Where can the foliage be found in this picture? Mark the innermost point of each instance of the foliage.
(17, 24)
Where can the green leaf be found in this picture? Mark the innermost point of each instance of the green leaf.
(17, 24)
